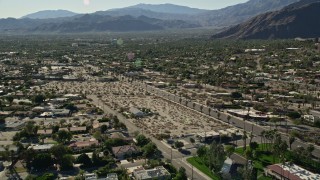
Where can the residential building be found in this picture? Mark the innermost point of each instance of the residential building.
(290, 171)
(45, 132)
(81, 145)
(121, 151)
(112, 176)
(41, 148)
(14, 126)
(159, 173)
(78, 130)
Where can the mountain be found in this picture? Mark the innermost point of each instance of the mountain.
(169, 8)
(295, 20)
(235, 14)
(90, 23)
(48, 14)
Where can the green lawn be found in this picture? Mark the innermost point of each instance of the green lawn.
(197, 163)
(262, 160)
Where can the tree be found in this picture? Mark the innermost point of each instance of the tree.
(84, 160)
(192, 140)
(181, 175)
(42, 161)
(67, 164)
(9, 99)
(149, 150)
(95, 158)
(142, 140)
(38, 99)
(236, 95)
(178, 144)
(216, 157)
(294, 115)
(64, 136)
(291, 141)
(202, 151)
(230, 150)
(244, 138)
(228, 118)
(253, 146)
(58, 151)
(103, 128)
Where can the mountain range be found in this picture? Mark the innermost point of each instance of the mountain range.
(48, 14)
(295, 20)
(147, 17)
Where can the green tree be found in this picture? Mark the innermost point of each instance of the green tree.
(84, 160)
(58, 151)
(202, 151)
(67, 162)
(149, 150)
(216, 156)
(42, 161)
(291, 141)
(178, 144)
(38, 99)
(142, 140)
(229, 150)
(63, 136)
(181, 175)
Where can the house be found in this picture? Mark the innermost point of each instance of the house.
(290, 171)
(312, 117)
(81, 145)
(78, 130)
(136, 112)
(159, 173)
(14, 126)
(121, 151)
(41, 148)
(61, 112)
(92, 176)
(45, 132)
(112, 176)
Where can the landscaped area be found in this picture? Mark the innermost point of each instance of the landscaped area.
(261, 160)
(197, 163)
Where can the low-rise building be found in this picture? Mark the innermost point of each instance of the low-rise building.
(121, 151)
(41, 148)
(290, 171)
(45, 132)
(81, 145)
(159, 173)
(14, 125)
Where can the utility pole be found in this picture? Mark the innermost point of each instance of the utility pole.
(192, 173)
(171, 154)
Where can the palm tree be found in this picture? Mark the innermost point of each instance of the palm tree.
(228, 118)
(233, 135)
(251, 137)
(244, 138)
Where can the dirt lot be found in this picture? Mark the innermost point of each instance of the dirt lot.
(171, 118)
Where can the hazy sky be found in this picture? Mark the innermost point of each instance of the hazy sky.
(18, 8)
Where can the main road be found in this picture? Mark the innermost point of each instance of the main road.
(178, 160)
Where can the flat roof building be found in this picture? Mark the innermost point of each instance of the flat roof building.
(290, 171)
(159, 173)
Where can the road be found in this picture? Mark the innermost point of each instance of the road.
(223, 116)
(178, 160)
